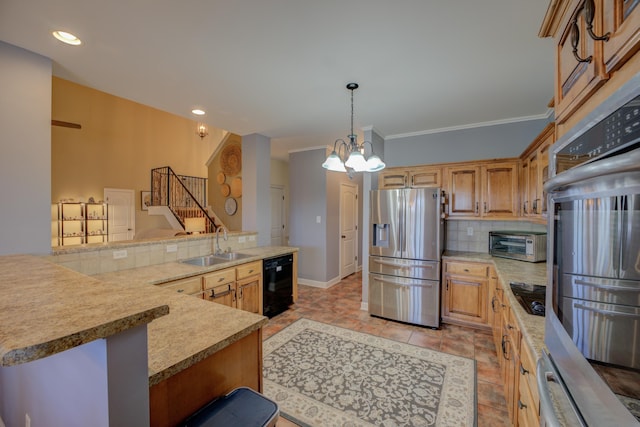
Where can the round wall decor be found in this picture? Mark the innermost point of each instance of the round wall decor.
(220, 178)
(231, 160)
(230, 206)
(236, 187)
(225, 190)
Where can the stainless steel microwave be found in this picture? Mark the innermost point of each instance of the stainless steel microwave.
(528, 246)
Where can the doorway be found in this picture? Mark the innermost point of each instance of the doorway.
(348, 229)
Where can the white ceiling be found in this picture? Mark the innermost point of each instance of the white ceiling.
(279, 67)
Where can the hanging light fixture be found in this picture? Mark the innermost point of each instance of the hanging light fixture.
(355, 160)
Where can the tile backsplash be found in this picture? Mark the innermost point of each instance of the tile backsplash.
(473, 236)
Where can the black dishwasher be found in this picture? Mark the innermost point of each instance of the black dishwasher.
(277, 289)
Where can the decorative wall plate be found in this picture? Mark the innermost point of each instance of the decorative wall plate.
(231, 160)
(220, 177)
(225, 190)
(230, 206)
(236, 187)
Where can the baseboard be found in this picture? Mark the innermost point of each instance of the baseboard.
(317, 284)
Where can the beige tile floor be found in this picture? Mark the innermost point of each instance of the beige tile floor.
(340, 306)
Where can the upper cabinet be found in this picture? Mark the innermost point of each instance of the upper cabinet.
(621, 21)
(534, 172)
(596, 42)
(414, 177)
(481, 189)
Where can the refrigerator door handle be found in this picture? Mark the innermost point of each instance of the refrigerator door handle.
(400, 266)
(391, 282)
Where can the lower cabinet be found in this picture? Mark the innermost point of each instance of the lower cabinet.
(238, 287)
(465, 294)
(516, 359)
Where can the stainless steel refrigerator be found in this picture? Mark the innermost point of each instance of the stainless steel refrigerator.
(406, 244)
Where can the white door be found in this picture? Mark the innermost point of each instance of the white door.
(277, 216)
(348, 229)
(122, 213)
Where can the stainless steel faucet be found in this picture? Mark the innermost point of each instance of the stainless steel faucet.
(224, 229)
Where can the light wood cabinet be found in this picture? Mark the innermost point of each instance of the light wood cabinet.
(528, 404)
(534, 172)
(415, 177)
(464, 299)
(621, 21)
(483, 190)
(238, 287)
(189, 286)
(594, 40)
(510, 352)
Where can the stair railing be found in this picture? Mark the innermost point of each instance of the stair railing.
(184, 195)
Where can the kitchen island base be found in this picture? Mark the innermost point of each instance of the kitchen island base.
(238, 365)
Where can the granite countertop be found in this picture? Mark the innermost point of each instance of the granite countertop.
(46, 309)
(194, 328)
(508, 270)
(161, 273)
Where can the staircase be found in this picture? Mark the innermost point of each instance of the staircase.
(180, 198)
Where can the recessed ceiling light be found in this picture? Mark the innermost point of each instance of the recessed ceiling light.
(198, 112)
(67, 38)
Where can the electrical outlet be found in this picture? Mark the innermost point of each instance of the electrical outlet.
(27, 420)
(242, 239)
(172, 248)
(120, 254)
(469, 231)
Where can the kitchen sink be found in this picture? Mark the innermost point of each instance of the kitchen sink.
(230, 256)
(207, 260)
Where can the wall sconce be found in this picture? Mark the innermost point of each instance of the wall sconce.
(202, 130)
(194, 225)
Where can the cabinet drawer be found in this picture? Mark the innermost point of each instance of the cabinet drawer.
(218, 278)
(249, 269)
(528, 413)
(190, 286)
(528, 373)
(480, 270)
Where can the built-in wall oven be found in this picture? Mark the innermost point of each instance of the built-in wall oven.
(590, 373)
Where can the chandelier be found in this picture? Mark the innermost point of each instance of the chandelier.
(349, 156)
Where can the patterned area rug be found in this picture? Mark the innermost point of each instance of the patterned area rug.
(323, 375)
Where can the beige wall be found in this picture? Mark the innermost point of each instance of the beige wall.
(216, 199)
(118, 145)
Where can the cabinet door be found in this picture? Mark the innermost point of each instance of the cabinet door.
(500, 190)
(622, 22)
(222, 294)
(524, 187)
(392, 179)
(463, 185)
(425, 177)
(466, 299)
(532, 182)
(543, 166)
(579, 73)
(249, 294)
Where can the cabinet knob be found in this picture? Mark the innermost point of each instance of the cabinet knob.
(477, 211)
(575, 40)
(522, 370)
(521, 405)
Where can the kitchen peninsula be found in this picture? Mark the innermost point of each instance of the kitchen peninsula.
(197, 350)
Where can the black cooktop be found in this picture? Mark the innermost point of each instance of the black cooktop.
(530, 297)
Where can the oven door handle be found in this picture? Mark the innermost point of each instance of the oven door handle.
(544, 375)
(605, 312)
(628, 162)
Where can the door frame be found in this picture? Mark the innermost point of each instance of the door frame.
(283, 215)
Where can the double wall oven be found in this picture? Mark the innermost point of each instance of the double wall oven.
(590, 373)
